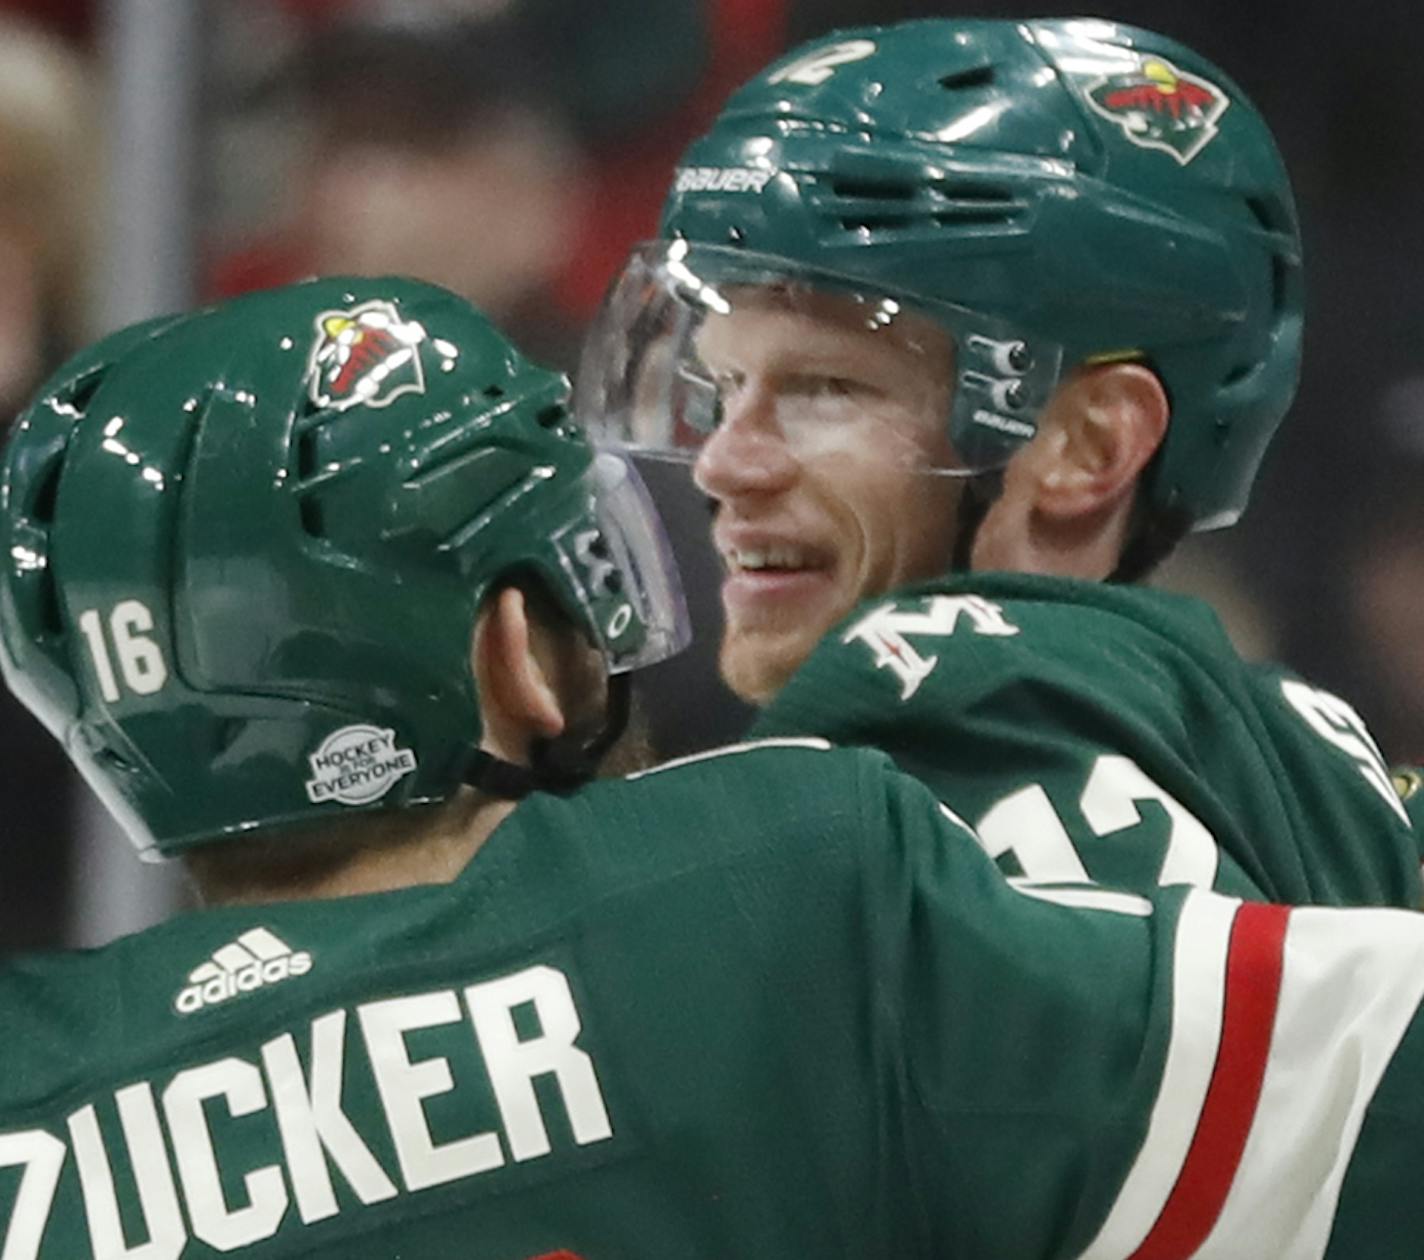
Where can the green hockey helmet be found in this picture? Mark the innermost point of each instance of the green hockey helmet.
(1050, 193)
(244, 549)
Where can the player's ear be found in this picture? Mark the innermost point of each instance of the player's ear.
(518, 701)
(1066, 498)
(1100, 432)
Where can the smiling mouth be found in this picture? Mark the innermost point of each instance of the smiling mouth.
(782, 558)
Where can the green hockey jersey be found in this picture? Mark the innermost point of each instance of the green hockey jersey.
(771, 1003)
(1111, 733)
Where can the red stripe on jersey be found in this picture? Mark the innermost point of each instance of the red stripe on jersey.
(1253, 987)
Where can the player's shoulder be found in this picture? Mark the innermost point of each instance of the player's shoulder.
(1024, 616)
(212, 979)
(798, 811)
(53, 1002)
(747, 794)
(786, 761)
(952, 644)
(77, 1015)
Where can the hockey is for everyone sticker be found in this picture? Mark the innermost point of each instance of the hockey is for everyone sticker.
(367, 354)
(357, 765)
(1159, 107)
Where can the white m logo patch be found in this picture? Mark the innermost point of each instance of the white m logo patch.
(884, 631)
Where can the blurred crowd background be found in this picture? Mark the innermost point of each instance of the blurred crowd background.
(154, 155)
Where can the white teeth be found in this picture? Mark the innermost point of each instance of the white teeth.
(771, 558)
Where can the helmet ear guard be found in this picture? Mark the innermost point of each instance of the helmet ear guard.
(1055, 192)
(245, 549)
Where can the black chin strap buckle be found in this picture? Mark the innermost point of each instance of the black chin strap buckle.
(499, 778)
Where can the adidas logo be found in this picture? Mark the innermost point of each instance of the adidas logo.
(256, 958)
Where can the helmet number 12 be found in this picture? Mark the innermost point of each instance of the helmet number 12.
(140, 659)
(821, 64)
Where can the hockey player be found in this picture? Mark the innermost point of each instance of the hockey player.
(1020, 300)
(272, 572)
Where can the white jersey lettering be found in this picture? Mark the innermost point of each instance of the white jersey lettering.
(43, 1158)
(404, 1085)
(513, 1064)
(151, 1213)
(1334, 720)
(239, 1084)
(313, 1125)
(157, 1194)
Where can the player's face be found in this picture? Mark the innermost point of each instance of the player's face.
(818, 470)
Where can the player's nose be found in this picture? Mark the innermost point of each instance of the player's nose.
(746, 453)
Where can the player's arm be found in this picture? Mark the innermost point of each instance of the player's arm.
(1101, 1074)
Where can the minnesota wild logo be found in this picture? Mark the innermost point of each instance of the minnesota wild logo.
(1159, 107)
(367, 354)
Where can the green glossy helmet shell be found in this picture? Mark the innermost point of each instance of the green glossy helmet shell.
(244, 549)
(1100, 191)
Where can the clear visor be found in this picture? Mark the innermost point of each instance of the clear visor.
(623, 569)
(693, 340)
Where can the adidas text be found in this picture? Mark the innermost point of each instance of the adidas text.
(255, 959)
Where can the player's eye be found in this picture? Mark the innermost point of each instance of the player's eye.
(815, 385)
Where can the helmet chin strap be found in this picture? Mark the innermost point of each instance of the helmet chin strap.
(978, 497)
(560, 765)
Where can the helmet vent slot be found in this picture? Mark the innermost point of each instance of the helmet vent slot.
(877, 222)
(47, 495)
(75, 396)
(981, 194)
(551, 417)
(113, 761)
(1267, 212)
(970, 216)
(306, 455)
(312, 517)
(964, 80)
(971, 205)
(873, 190)
(51, 620)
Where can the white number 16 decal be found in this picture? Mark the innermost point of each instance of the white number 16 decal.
(140, 658)
(1026, 824)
